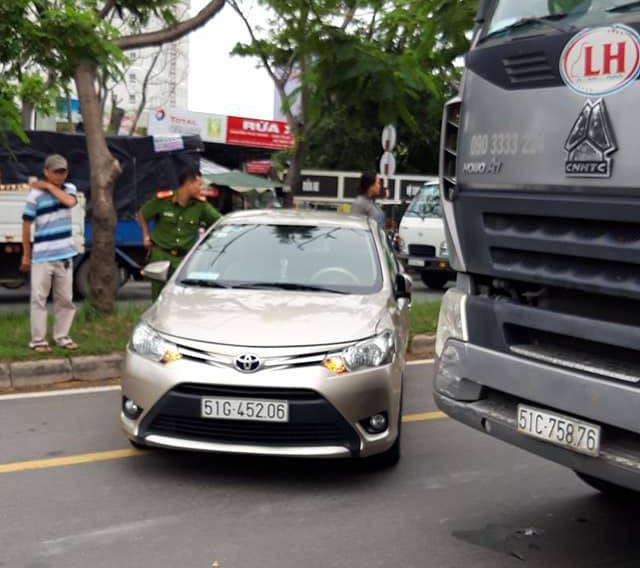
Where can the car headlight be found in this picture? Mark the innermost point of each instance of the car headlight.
(147, 342)
(369, 353)
(452, 320)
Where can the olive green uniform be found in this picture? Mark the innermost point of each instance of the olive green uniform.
(176, 228)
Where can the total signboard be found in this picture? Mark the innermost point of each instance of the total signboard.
(222, 129)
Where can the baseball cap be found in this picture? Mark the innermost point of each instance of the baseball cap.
(55, 162)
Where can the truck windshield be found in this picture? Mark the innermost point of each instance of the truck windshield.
(426, 203)
(511, 17)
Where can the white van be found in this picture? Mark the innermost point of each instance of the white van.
(12, 200)
(423, 246)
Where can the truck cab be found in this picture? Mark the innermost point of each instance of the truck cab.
(423, 246)
(538, 343)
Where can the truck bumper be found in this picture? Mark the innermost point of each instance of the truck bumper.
(482, 389)
(426, 263)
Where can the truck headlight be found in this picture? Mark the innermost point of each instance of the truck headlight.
(444, 250)
(452, 321)
(369, 353)
(147, 342)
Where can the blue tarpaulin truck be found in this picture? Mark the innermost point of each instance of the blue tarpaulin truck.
(149, 164)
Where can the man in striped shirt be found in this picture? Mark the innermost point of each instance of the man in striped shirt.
(50, 259)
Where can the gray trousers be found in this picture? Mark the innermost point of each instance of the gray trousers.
(46, 276)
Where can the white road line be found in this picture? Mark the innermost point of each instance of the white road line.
(61, 392)
(419, 362)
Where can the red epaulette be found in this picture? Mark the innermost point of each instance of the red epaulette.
(164, 194)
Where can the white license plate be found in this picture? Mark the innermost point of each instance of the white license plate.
(560, 430)
(415, 262)
(261, 410)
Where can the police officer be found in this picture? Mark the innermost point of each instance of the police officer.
(178, 215)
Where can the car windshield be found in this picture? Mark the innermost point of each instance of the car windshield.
(426, 203)
(290, 257)
(510, 17)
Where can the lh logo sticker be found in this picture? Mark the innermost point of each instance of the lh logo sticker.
(601, 61)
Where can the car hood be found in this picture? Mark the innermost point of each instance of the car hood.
(267, 318)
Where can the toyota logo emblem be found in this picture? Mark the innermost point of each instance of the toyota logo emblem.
(247, 363)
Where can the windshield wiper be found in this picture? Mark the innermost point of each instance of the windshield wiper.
(203, 282)
(288, 286)
(528, 21)
(628, 7)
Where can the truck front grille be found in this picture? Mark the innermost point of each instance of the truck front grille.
(528, 68)
(579, 242)
(422, 250)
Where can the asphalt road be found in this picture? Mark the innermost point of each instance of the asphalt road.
(457, 499)
(140, 293)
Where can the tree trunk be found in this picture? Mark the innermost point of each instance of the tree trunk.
(104, 171)
(294, 179)
(27, 115)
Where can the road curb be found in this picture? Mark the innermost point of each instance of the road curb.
(22, 374)
(97, 367)
(5, 375)
(44, 372)
(422, 343)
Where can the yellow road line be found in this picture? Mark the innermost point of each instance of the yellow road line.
(127, 453)
(68, 460)
(423, 416)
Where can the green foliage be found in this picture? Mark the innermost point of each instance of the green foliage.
(423, 317)
(44, 42)
(384, 62)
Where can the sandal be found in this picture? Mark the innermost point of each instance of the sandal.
(67, 343)
(41, 348)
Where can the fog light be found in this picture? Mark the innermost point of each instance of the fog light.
(130, 408)
(378, 422)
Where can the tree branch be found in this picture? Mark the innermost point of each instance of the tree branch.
(172, 33)
(108, 7)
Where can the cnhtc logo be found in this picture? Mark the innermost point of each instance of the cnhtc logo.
(589, 143)
(247, 363)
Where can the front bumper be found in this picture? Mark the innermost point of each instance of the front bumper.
(425, 263)
(326, 411)
(482, 389)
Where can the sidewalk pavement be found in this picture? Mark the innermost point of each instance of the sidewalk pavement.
(26, 374)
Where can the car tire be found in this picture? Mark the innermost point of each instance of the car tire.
(608, 488)
(434, 280)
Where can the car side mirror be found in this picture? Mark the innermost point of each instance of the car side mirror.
(158, 270)
(404, 285)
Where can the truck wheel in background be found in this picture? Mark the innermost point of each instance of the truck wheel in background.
(435, 280)
(81, 278)
(607, 488)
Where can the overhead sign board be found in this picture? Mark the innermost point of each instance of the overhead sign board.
(259, 133)
(210, 127)
(222, 129)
